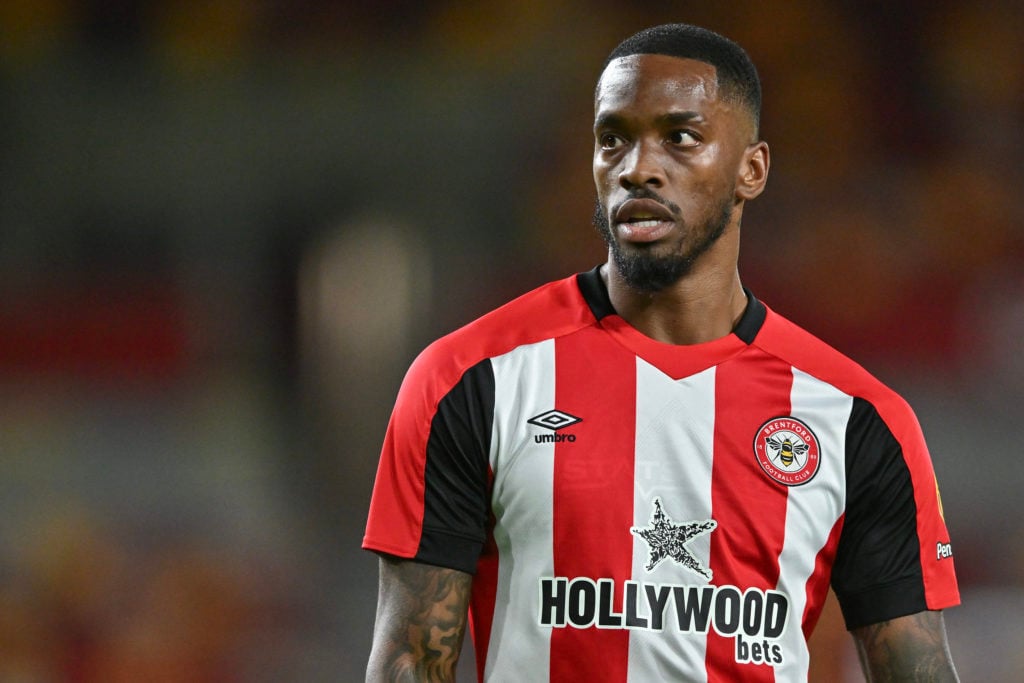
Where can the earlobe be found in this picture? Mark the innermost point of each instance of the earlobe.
(754, 171)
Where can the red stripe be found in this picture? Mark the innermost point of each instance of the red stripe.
(484, 597)
(750, 508)
(817, 584)
(595, 379)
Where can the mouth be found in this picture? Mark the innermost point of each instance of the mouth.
(643, 220)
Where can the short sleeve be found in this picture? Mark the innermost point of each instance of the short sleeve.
(430, 497)
(894, 556)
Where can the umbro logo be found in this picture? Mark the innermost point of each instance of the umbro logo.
(554, 420)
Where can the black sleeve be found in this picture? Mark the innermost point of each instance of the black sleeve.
(877, 572)
(456, 489)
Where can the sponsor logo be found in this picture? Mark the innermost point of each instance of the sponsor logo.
(943, 550)
(755, 618)
(554, 420)
(787, 450)
(667, 540)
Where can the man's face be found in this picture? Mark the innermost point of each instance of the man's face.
(667, 153)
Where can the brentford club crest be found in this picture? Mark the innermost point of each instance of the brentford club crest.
(787, 450)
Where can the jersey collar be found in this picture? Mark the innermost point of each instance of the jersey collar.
(595, 293)
(675, 360)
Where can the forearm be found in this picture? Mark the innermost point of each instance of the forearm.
(911, 648)
(421, 622)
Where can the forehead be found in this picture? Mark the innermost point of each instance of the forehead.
(658, 81)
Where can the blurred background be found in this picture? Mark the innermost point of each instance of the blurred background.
(227, 227)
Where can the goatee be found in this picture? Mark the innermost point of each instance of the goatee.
(650, 272)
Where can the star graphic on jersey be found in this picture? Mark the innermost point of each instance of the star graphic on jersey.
(666, 539)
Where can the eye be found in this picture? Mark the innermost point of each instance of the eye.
(683, 138)
(609, 141)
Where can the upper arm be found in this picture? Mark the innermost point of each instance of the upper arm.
(910, 648)
(421, 621)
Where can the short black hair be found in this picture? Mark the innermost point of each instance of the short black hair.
(737, 75)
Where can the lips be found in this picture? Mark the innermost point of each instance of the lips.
(643, 220)
(633, 210)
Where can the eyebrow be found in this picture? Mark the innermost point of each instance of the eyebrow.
(679, 117)
(675, 118)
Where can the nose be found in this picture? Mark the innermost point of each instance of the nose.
(643, 166)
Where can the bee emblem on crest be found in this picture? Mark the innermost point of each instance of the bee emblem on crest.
(787, 450)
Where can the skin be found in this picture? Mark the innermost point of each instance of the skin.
(663, 126)
(421, 622)
(663, 131)
(911, 648)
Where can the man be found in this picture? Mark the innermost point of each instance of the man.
(642, 473)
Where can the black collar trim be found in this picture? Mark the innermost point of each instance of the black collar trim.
(596, 295)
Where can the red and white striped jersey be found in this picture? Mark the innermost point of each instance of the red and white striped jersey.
(639, 511)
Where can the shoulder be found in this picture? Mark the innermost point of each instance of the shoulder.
(807, 353)
(555, 309)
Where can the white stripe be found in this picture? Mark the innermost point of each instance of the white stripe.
(524, 381)
(675, 426)
(812, 509)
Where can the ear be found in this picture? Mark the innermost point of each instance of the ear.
(753, 172)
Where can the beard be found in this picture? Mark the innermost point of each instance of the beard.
(647, 271)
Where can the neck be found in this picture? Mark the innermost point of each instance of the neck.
(703, 306)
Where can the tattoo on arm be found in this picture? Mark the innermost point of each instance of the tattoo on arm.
(911, 648)
(421, 621)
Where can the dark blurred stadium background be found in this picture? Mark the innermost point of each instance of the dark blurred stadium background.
(226, 228)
